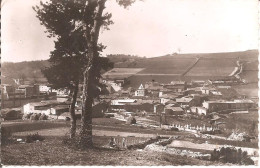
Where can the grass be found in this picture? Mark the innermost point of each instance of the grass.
(52, 152)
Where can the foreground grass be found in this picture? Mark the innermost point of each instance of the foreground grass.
(53, 152)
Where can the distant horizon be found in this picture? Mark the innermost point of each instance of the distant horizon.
(144, 56)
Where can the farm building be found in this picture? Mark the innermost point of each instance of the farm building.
(227, 106)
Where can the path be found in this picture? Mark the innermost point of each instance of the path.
(184, 73)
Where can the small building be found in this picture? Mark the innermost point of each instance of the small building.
(171, 109)
(38, 107)
(168, 97)
(140, 91)
(199, 110)
(227, 106)
(185, 101)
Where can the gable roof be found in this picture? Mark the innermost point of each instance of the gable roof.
(141, 87)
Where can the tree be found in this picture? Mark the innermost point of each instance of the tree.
(68, 58)
(81, 16)
(92, 25)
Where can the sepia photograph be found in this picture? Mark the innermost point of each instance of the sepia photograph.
(129, 82)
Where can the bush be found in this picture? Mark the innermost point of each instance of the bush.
(228, 155)
(43, 117)
(33, 138)
(34, 117)
(131, 120)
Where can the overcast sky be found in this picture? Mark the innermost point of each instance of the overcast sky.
(148, 28)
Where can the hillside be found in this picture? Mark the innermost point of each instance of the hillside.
(166, 68)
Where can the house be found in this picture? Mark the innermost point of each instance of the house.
(171, 109)
(199, 110)
(185, 101)
(195, 90)
(38, 107)
(140, 91)
(227, 106)
(42, 107)
(167, 97)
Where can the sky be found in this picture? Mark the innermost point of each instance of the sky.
(148, 28)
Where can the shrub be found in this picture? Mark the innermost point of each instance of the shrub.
(229, 155)
(34, 117)
(5, 135)
(34, 137)
(131, 120)
(43, 117)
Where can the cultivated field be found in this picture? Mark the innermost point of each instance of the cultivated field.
(213, 67)
(121, 72)
(166, 65)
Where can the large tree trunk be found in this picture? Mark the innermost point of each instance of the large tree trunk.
(72, 110)
(86, 115)
(89, 78)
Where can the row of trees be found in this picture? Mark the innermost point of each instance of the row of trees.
(75, 24)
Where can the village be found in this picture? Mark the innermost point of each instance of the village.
(199, 108)
(128, 82)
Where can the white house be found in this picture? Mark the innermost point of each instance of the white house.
(45, 88)
(199, 110)
(38, 107)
